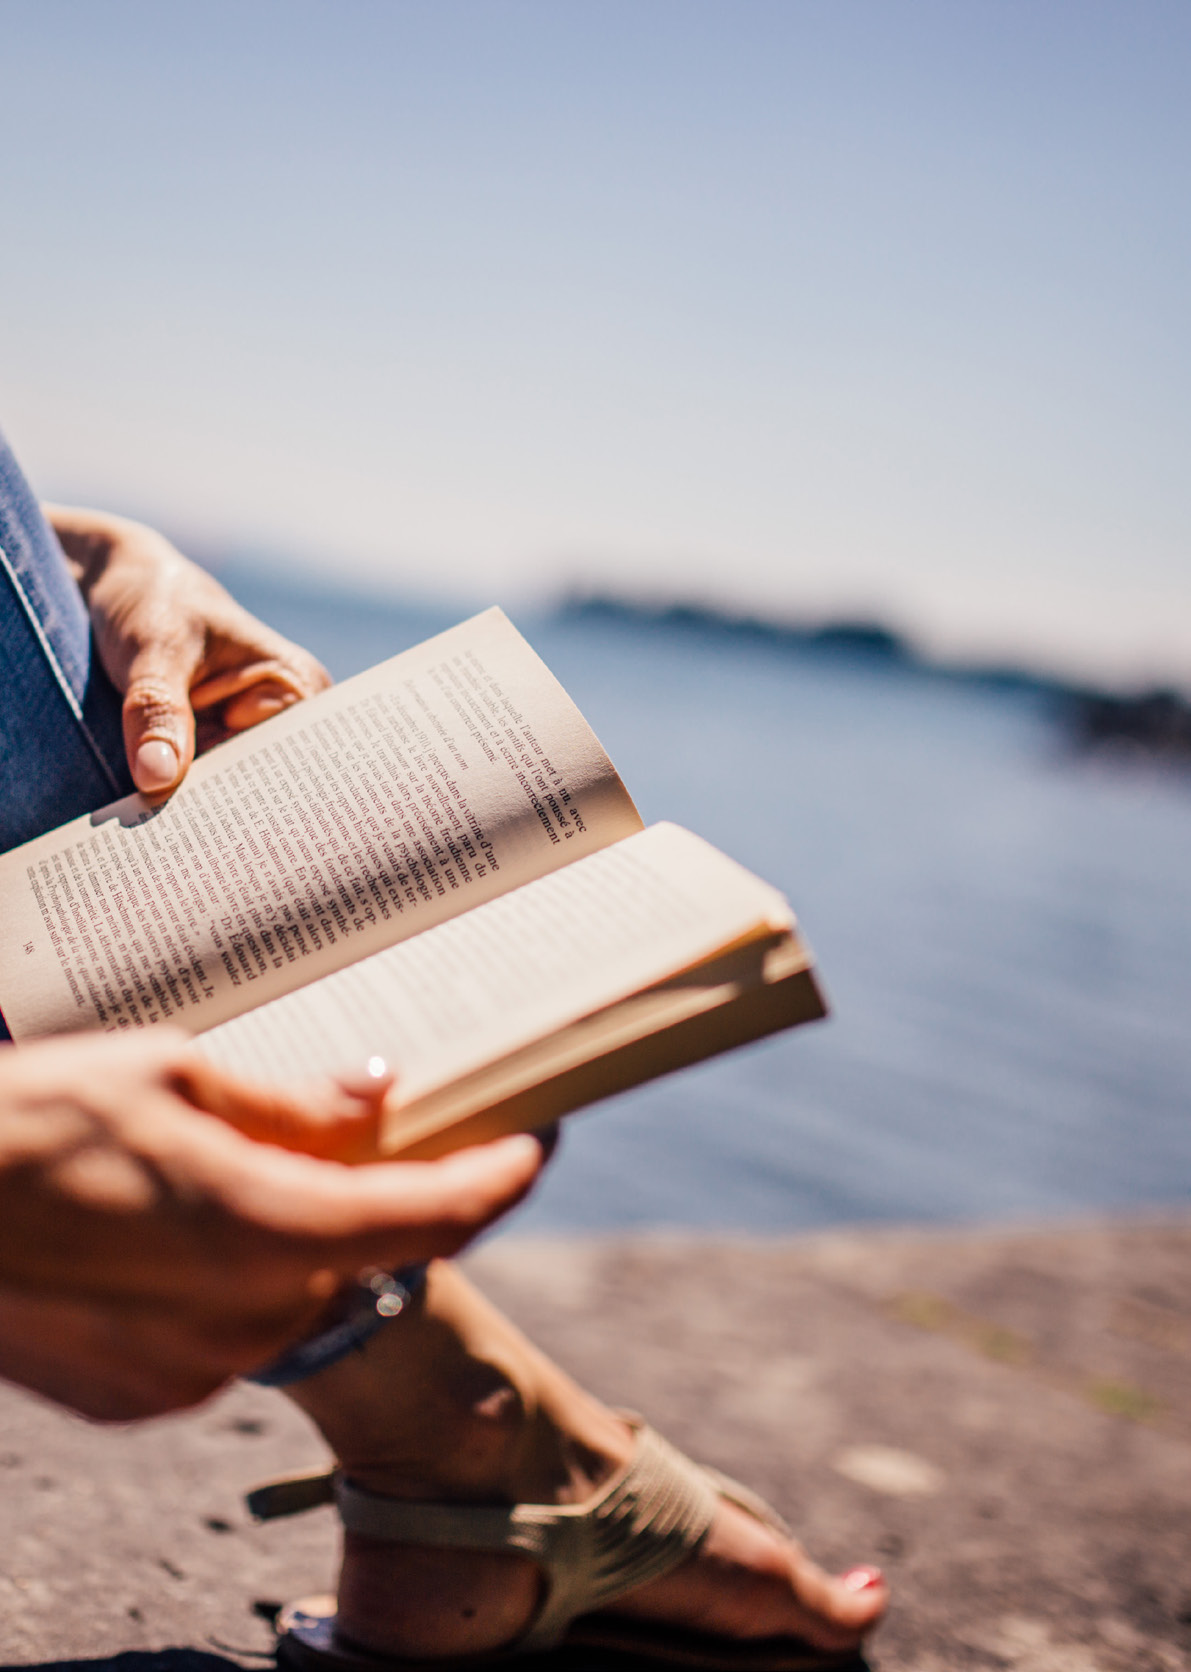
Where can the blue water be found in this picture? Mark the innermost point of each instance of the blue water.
(1003, 927)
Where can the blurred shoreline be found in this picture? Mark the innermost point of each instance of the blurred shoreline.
(1146, 719)
(1153, 720)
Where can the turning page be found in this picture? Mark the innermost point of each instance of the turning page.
(451, 774)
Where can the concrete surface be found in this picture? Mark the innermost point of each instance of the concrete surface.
(1001, 1420)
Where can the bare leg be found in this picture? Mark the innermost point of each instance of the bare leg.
(453, 1403)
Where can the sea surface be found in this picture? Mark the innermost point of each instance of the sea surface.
(1003, 925)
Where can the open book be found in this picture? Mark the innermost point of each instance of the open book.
(434, 862)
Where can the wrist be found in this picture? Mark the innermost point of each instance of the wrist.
(357, 1313)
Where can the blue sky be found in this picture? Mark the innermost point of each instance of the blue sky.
(876, 305)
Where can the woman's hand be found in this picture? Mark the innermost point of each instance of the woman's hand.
(176, 644)
(164, 1226)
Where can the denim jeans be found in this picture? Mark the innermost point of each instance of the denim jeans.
(61, 738)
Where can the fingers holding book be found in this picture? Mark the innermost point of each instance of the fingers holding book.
(158, 1240)
(193, 665)
(335, 1120)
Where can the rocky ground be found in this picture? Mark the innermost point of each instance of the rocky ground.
(1001, 1420)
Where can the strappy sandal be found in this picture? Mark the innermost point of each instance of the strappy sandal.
(641, 1523)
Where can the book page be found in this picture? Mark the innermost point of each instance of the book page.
(762, 986)
(517, 969)
(442, 778)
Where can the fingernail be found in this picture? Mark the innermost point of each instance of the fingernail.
(861, 1578)
(369, 1081)
(156, 765)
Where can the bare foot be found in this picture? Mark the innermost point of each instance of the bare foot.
(453, 1404)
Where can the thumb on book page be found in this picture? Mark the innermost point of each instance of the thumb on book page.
(158, 719)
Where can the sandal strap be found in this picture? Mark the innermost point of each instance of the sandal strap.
(291, 1495)
(642, 1523)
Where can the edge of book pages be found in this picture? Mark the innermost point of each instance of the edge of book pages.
(741, 994)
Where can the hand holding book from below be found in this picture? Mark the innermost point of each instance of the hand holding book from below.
(151, 1252)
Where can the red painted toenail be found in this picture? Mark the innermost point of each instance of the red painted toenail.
(862, 1578)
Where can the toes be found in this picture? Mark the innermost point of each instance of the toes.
(834, 1612)
(862, 1579)
(759, 1584)
(746, 1581)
